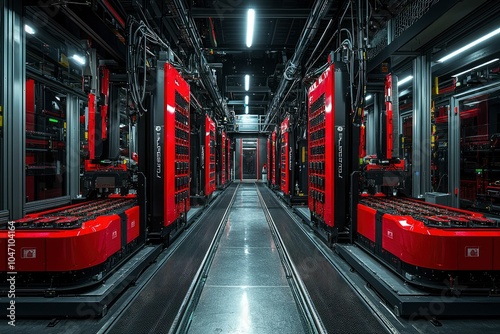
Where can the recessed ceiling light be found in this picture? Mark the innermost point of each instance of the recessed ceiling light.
(246, 99)
(79, 59)
(475, 67)
(247, 82)
(29, 30)
(470, 45)
(250, 26)
(246, 109)
(405, 80)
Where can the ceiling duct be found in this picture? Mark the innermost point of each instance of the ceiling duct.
(194, 40)
(318, 12)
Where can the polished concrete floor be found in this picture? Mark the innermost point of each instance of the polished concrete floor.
(246, 289)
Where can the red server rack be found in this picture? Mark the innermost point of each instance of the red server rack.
(228, 160)
(273, 165)
(328, 141)
(284, 156)
(223, 159)
(165, 130)
(209, 156)
(177, 145)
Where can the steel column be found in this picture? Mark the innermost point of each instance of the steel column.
(13, 104)
(72, 146)
(421, 152)
(454, 152)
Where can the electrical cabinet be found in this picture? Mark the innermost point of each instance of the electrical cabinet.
(328, 143)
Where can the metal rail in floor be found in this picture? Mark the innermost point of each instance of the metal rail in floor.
(246, 288)
(340, 308)
(156, 309)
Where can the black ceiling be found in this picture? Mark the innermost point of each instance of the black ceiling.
(220, 27)
(278, 27)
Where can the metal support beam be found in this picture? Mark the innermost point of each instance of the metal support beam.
(73, 146)
(318, 12)
(437, 15)
(250, 103)
(253, 89)
(12, 100)
(226, 11)
(421, 141)
(454, 152)
(192, 37)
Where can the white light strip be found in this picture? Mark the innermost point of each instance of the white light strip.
(29, 30)
(246, 99)
(247, 82)
(478, 66)
(470, 45)
(79, 59)
(405, 80)
(250, 25)
(246, 109)
(368, 97)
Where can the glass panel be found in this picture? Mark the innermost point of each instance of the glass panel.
(479, 152)
(45, 142)
(53, 55)
(439, 148)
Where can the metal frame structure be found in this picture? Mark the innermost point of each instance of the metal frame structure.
(421, 158)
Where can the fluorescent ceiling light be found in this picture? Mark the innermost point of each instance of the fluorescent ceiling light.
(246, 109)
(250, 25)
(478, 66)
(368, 97)
(246, 99)
(405, 80)
(470, 45)
(247, 82)
(29, 30)
(79, 59)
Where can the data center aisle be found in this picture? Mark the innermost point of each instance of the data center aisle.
(246, 290)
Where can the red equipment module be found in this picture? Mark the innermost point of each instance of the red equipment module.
(328, 148)
(210, 182)
(284, 156)
(72, 246)
(431, 245)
